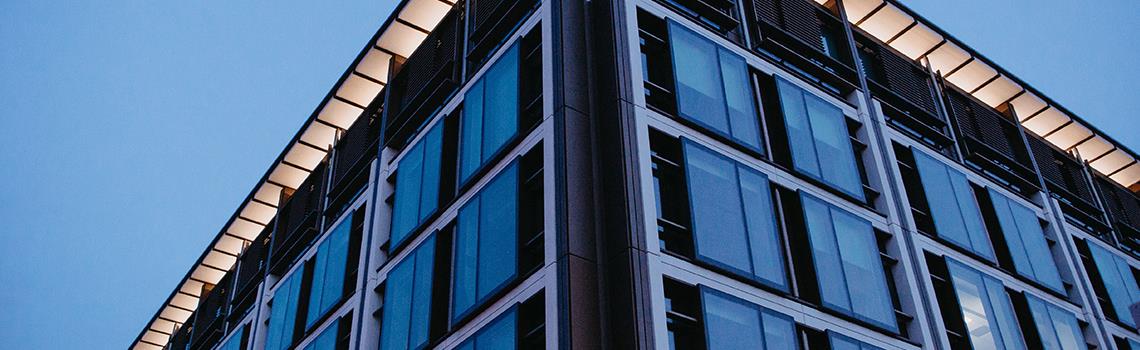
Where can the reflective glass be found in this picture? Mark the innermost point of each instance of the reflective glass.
(283, 315)
(990, 323)
(486, 242)
(1026, 241)
(1118, 281)
(818, 138)
(490, 114)
(952, 205)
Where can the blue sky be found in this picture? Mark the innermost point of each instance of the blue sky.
(133, 129)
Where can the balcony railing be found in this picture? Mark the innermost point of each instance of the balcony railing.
(249, 273)
(180, 340)
(427, 77)
(297, 220)
(210, 317)
(490, 22)
(906, 91)
(1123, 209)
(1065, 177)
(809, 37)
(991, 141)
(353, 153)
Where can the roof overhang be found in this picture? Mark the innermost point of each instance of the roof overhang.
(910, 34)
(357, 87)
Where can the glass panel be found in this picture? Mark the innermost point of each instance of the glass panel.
(407, 300)
(417, 185)
(779, 331)
(471, 132)
(731, 323)
(742, 117)
(466, 255)
(833, 146)
(283, 315)
(825, 254)
(429, 190)
(953, 208)
(1026, 241)
(1058, 328)
(490, 114)
(498, 233)
(763, 238)
(1118, 281)
(487, 242)
(421, 294)
(718, 226)
(327, 339)
(818, 138)
(394, 333)
(501, 109)
(405, 212)
(863, 268)
(700, 94)
(328, 273)
(234, 343)
(501, 334)
(799, 130)
(985, 309)
(842, 342)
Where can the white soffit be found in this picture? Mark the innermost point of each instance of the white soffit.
(894, 24)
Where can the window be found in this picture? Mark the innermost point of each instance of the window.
(283, 315)
(334, 337)
(1118, 282)
(849, 270)
(408, 295)
(714, 88)
(1025, 241)
(1055, 327)
(417, 186)
(842, 342)
(989, 318)
(490, 116)
(329, 269)
(238, 340)
(952, 206)
(498, 235)
(732, 323)
(733, 221)
(499, 335)
(818, 139)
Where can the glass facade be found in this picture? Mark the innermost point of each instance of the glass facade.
(953, 206)
(417, 185)
(777, 224)
(818, 138)
(847, 263)
(985, 305)
(734, 226)
(490, 114)
(486, 243)
(713, 88)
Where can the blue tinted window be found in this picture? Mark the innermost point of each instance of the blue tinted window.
(501, 334)
(1058, 328)
(842, 342)
(818, 138)
(953, 208)
(407, 300)
(237, 339)
(847, 263)
(732, 323)
(329, 270)
(327, 339)
(1026, 241)
(283, 315)
(490, 114)
(984, 302)
(1118, 281)
(417, 185)
(713, 87)
(733, 222)
(486, 242)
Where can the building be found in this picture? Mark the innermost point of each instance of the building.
(690, 174)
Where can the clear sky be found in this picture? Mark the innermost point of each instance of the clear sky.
(133, 129)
